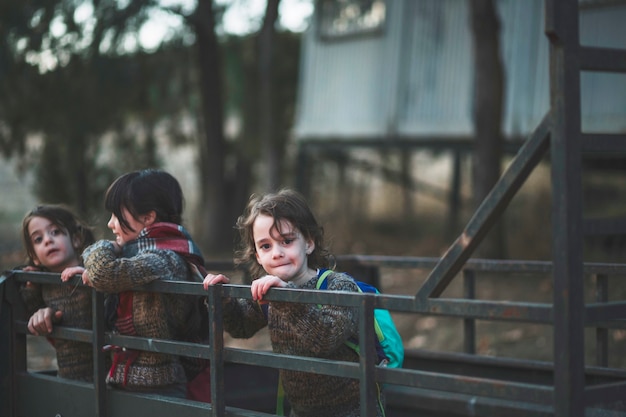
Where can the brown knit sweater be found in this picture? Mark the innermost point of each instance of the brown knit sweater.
(307, 330)
(154, 315)
(74, 359)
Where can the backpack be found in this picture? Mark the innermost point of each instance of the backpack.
(388, 341)
(389, 346)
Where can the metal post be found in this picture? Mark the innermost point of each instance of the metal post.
(216, 342)
(469, 325)
(99, 371)
(367, 359)
(569, 360)
(6, 354)
(602, 333)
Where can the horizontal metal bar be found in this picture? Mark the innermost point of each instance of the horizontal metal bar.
(60, 332)
(475, 264)
(480, 265)
(405, 377)
(612, 324)
(172, 347)
(291, 362)
(605, 311)
(490, 310)
(461, 308)
(602, 59)
(533, 393)
(605, 394)
(464, 143)
(609, 145)
(504, 368)
(431, 402)
(605, 226)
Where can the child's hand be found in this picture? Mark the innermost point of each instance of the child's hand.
(260, 286)
(86, 279)
(70, 272)
(30, 268)
(211, 279)
(41, 321)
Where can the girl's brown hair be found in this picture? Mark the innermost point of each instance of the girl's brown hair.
(64, 218)
(286, 205)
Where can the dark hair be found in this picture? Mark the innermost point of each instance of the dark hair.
(284, 205)
(143, 191)
(62, 217)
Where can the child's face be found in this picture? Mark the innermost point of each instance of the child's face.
(52, 245)
(283, 256)
(122, 236)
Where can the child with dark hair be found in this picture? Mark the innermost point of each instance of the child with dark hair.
(54, 238)
(150, 244)
(283, 245)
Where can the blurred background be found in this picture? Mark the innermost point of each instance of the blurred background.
(394, 117)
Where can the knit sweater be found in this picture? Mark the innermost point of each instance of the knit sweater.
(307, 330)
(74, 359)
(154, 315)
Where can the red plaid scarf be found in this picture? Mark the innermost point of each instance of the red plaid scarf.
(167, 236)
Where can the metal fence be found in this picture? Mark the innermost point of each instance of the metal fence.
(431, 383)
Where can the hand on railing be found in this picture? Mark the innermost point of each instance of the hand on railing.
(212, 279)
(41, 322)
(76, 270)
(260, 286)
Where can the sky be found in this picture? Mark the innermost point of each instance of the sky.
(294, 15)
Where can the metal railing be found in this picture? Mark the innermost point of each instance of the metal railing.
(431, 381)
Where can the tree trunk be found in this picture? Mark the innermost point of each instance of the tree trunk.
(488, 82)
(267, 132)
(215, 230)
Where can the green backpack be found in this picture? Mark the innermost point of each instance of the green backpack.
(389, 343)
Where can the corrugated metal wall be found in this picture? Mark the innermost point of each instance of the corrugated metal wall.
(415, 78)
(436, 96)
(603, 95)
(342, 85)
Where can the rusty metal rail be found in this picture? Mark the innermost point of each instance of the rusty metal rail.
(432, 383)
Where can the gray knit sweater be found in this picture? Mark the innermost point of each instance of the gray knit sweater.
(74, 359)
(307, 330)
(155, 315)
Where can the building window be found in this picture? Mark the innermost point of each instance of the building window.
(340, 18)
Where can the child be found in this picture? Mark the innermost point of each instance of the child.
(150, 244)
(283, 243)
(54, 238)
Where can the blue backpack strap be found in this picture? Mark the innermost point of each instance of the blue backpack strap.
(265, 309)
(322, 284)
(386, 333)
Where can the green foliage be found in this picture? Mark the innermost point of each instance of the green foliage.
(94, 105)
(84, 107)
